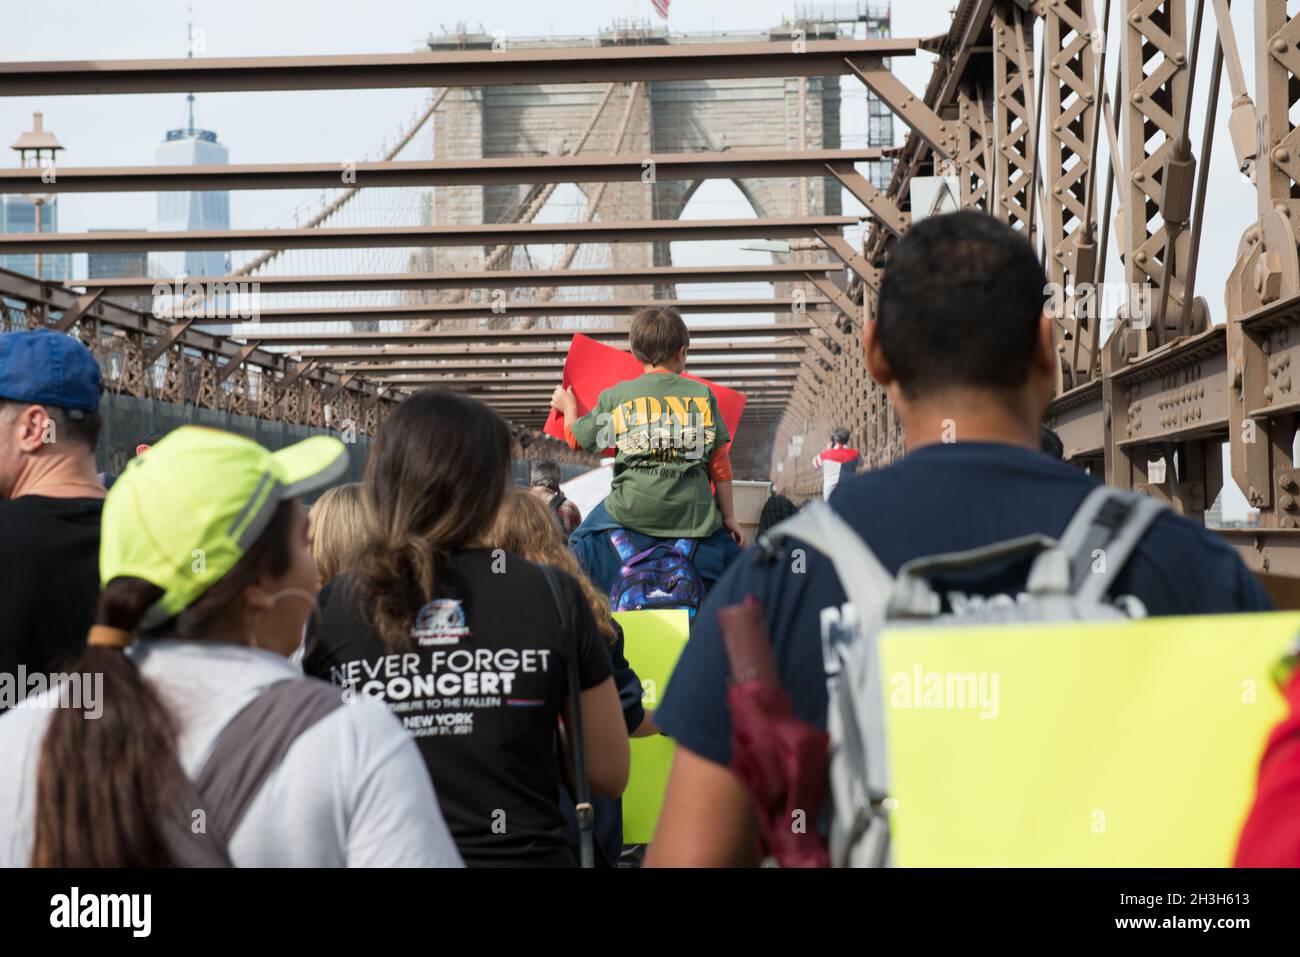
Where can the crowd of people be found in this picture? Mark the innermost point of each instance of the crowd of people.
(425, 668)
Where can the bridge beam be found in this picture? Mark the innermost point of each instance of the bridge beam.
(470, 68)
(638, 231)
(487, 171)
(504, 309)
(481, 279)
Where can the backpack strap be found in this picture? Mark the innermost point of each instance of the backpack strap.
(864, 579)
(1109, 521)
(250, 747)
(622, 542)
(859, 776)
(628, 555)
(915, 597)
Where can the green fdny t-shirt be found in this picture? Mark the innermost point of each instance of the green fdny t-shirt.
(665, 428)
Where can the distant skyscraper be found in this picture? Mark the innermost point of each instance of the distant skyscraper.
(18, 215)
(200, 209)
(120, 266)
(116, 265)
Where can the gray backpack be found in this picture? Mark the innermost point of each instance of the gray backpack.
(246, 752)
(1069, 580)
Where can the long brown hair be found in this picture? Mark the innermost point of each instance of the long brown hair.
(527, 527)
(106, 787)
(436, 476)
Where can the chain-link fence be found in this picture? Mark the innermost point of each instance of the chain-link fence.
(128, 420)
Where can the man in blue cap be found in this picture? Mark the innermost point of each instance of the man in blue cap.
(50, 500)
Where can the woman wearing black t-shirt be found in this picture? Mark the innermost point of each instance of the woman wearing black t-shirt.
(464, 643)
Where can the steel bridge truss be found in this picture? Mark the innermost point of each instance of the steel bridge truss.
(783, 366)
(1151, 405)
(1019, 113)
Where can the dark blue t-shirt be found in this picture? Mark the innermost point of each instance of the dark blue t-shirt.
(939, 498)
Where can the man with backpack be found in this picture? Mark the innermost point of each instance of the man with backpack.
(668, 527)
(969, 364)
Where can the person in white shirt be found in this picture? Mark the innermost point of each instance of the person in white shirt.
(182, 735)
(835, 459)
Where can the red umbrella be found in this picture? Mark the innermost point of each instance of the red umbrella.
(780, 759)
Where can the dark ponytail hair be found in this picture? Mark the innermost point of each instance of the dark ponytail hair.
(435, 481)
(106, 787)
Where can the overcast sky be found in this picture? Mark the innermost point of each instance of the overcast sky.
(344, 125)
(276, 127)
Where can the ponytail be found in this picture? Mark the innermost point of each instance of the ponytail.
(435, 479)
(397, 577)
(105, 785)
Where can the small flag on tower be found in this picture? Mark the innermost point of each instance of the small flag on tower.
(661, 8)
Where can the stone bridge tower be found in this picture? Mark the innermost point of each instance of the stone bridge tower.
(629, 118)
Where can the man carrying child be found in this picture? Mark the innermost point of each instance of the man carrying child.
(671, 444)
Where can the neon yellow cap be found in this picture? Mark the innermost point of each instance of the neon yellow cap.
(182, 514)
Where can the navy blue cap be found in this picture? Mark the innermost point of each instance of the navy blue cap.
(49, 368)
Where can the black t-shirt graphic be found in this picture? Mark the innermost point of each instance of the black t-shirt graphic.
(49, 580)
(479, 687)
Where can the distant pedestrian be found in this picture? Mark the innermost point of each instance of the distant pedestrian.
(545, 484)
(142, 445)
(337, 526)
(776, 509)
(835, 460)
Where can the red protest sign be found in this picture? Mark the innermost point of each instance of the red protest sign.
(591, 367)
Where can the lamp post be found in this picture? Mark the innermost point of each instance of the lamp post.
(36, 148)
